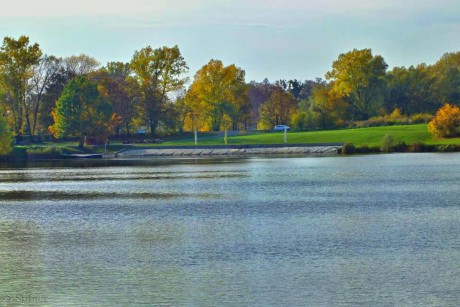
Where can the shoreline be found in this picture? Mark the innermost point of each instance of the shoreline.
(232, 150)
(246, 150)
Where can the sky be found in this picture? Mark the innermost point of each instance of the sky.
(274, 39)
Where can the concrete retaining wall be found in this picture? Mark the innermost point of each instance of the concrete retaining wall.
(232, 150)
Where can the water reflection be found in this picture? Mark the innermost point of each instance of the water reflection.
(366, 230)
(74, 195)
(21, 259)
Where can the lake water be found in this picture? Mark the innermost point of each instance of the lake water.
(308, 231)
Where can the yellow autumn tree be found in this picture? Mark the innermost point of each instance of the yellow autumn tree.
(446, 123)
(217, 91)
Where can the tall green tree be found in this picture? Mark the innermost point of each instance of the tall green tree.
(359, 78)
(446, 74)
(411, 90)
(83, 112)
(17, 59)
(159, 72)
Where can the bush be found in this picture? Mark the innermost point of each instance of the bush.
(400, 147)
(421, 147)
(415, 147)
(421, 118)
(448, 148)
(387, 143)
(348, 148)
(366, 149)
(446, 123)
(395, 118)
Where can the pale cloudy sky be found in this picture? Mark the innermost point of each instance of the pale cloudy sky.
(268, 38)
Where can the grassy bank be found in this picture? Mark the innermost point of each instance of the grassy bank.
(370, 137)
(360, 138)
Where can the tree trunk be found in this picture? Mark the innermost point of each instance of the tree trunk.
(81, 141)
(153, 127)
(127, 128)
(35, 115)
(28, 126)
(17, 115)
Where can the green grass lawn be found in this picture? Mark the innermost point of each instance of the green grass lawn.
(362, 136)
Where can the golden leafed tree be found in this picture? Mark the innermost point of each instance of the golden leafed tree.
(218, 92)
(446, 123)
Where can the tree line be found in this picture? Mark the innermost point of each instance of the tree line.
(78, 97)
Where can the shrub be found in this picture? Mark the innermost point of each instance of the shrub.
(421, 147)
(364, 149)
(400, 147)
(446, 122)
(421, 118)
(415, 147)
(395, 118)
(448, 148)
(348, 148)
(396, 114)
(387, 143)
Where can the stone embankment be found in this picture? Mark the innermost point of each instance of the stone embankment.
(232, 150)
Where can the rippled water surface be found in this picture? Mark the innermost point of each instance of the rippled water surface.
(360, 230)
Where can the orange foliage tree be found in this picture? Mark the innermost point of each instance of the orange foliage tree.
(446, 122)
